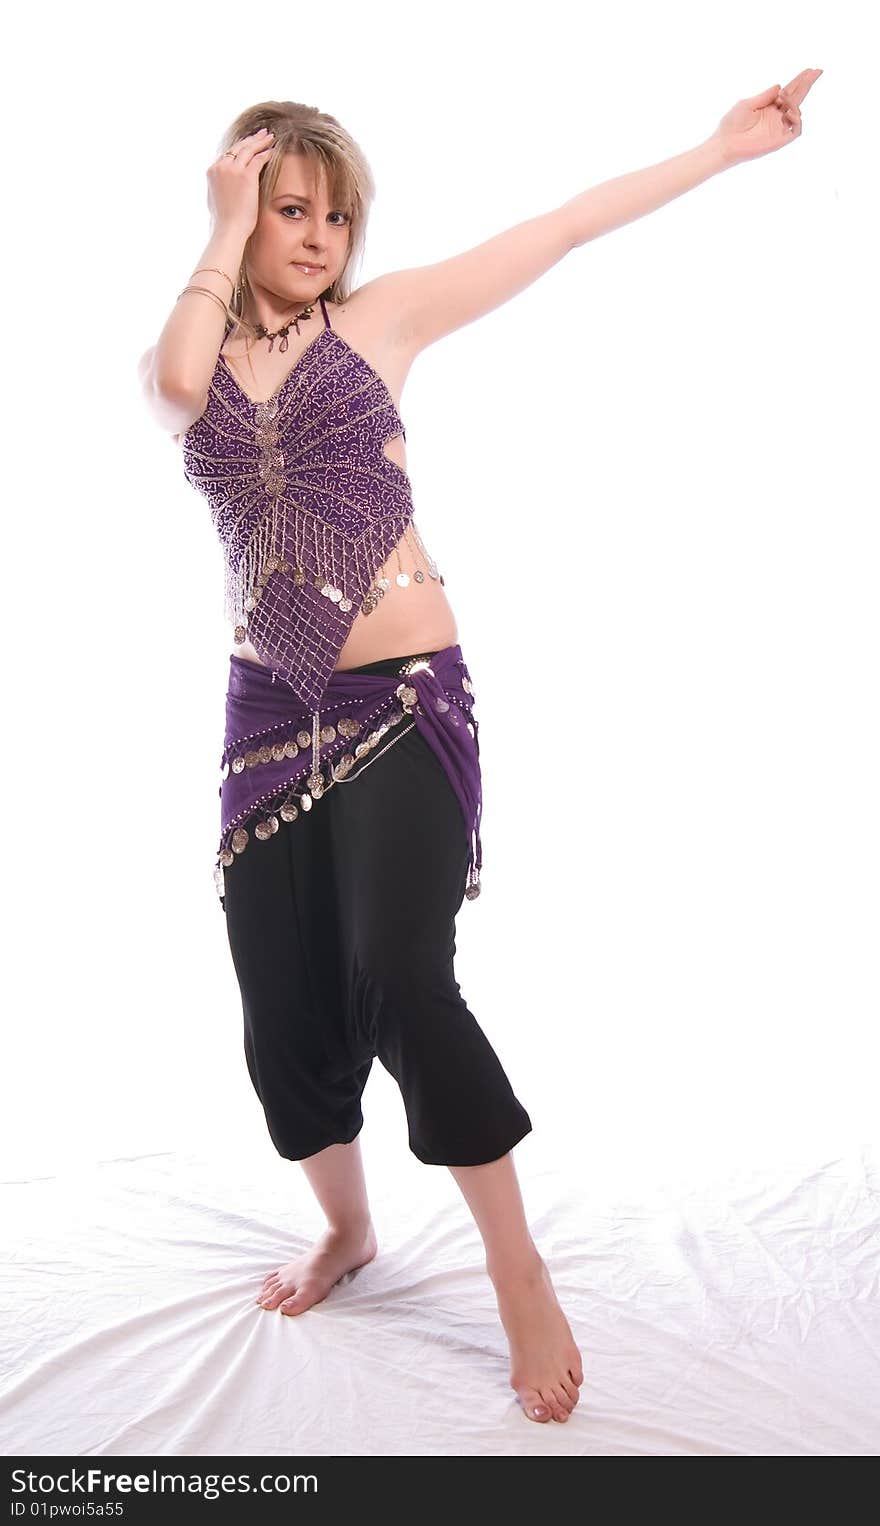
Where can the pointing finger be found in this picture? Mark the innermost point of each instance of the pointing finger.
(802, 83)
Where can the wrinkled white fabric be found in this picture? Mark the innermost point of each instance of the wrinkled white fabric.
(738, 1317)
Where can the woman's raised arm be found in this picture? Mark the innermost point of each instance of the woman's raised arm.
(432, 300)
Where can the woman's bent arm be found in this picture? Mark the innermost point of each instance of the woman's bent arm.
(179, 368)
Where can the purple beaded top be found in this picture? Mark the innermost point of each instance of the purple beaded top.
(307, 504)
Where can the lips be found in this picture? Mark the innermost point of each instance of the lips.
(307, 267)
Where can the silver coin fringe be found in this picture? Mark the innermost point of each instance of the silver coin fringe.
(339, 568)
(285, 804)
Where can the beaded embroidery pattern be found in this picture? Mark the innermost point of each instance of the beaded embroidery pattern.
(306, 503)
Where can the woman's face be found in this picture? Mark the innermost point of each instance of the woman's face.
(297, 225)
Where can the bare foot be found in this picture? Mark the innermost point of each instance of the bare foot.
(306, 1280)
(545, 1364)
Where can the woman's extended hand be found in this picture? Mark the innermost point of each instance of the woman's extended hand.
(765, 122)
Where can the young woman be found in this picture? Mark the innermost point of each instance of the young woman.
(351, 789)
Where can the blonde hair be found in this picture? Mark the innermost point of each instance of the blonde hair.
(334, 154)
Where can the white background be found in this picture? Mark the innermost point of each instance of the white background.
(650, 485)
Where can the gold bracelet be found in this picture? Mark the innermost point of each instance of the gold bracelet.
(216, 272)
(207, 293)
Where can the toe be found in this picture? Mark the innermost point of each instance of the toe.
(534, 1406)
(559, 1403)
(551, 1403)
(570, 1389)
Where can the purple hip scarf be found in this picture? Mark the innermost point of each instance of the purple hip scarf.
(279, 757)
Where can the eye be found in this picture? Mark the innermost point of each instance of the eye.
(294, 208)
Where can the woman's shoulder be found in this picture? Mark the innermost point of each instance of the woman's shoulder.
(371, 311)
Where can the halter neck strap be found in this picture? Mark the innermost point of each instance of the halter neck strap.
(327, 323)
